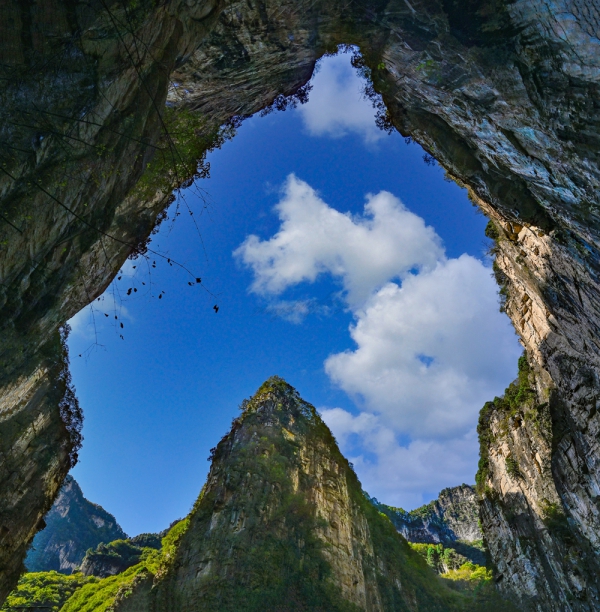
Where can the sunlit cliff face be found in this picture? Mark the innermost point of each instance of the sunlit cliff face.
(504, 96)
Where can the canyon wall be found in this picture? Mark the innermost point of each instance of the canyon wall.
(503, 94)
(282, 523)
(453, 516)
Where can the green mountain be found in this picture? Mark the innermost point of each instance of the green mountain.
(283, 524)
(73, 525)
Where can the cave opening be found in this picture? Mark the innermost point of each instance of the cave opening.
(503, 94)
(403, 243)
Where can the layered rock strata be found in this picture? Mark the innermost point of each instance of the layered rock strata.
(282, 523)
(503, 94)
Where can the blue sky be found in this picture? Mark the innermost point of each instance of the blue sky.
(340, 261)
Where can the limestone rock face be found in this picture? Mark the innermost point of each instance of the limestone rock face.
(72, 526)
(505, 95)
(282, 523)
(453, 516)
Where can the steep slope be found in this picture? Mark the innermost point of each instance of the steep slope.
(452, 519)
(73, 525)
(454, 515)
(529, 534)
(115, 557)
(283, 524)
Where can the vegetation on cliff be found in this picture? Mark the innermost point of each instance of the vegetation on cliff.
(267, 533)
(113, 558)
(520, 399)
(102, 595)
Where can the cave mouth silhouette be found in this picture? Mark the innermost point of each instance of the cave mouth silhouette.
(492, 90)
(421, 185)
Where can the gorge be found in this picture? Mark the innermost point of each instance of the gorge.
(503, 94)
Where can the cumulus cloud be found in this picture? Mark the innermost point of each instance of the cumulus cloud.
(430, 346)
(405, 475)
(363, 252)
(337, 105)
(430, 352)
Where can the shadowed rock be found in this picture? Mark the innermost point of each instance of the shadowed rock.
(503, 94)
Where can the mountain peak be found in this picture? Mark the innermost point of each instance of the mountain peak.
(277, 396)
(282, 523)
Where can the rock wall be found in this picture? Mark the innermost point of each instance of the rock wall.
(78, 122)
(453, 516)
(282, 523)
(503, 94)
(73, 525)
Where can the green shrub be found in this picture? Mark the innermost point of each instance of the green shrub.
(50, 589)
(491, 231)
(512, 467)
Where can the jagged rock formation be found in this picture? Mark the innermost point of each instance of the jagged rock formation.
(282, 523)
(452, 519)
(505, 95)
(73, 525)
(454, 515)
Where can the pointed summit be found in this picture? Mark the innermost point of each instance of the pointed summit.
(282, 524)
(278, 395)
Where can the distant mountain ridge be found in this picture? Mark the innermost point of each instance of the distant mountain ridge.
(452, 516)
(452, 520)
(73, 525)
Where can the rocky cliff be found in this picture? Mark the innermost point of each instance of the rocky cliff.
(452, 520)
(73, 525)
(282, 523)
(454, 515)
(115, 557)
(505, 95)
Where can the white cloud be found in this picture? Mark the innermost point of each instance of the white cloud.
(430, 344)
(386, 242)
(337, 105)
(295, 311)
(406, 475)
(430, 352)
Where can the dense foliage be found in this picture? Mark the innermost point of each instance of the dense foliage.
(48, 589)
(100, 595)
(114, 557)
(440, 558)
